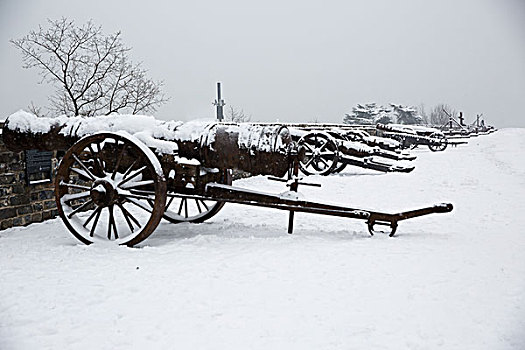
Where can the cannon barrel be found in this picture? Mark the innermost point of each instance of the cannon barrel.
(257, 149)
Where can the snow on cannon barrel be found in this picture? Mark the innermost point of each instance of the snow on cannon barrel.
(256, 149)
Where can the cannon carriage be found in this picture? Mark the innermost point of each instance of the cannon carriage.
(120, 175)
(410, 136)
(329, 148)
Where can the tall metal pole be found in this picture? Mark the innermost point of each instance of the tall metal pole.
(219, 102)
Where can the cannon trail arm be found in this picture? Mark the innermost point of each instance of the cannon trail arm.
(233, 194)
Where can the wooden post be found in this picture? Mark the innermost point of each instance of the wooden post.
(293, 187)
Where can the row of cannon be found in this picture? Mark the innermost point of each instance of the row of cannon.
(120, 175)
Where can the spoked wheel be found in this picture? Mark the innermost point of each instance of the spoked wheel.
(184, 209)
(321, 154)
(110, 187)
(440, 144)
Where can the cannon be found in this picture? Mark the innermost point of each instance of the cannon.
(329, 151)
(120, 175)
(329, 148)
(456, 128)
(413, 136)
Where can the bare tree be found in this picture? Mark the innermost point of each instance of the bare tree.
(91, 72)
(421, 111)
(36, 110)
(237, 115)
(439, 116)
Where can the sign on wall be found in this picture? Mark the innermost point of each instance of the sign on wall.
(38, 166)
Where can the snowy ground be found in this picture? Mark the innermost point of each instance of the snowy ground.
(238, 281)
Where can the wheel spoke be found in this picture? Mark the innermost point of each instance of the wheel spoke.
(83, 166)
(72, 196)
(111, 223)
(92, 232)
(92, 216)
(325, 163)
(150, 202)
(138, 184)
(204, 204)
(128, 216)
(136, 196)
(181, 204)
(198, 206)
(169, 203)
(129, 169)
(119, 159)
(308, 146)
(81, 172)
(115, 231)
(309, 162)
(96, 159)
(327, 153)
(79, 208)
(133, 175)
(138, 204)
(80, 187)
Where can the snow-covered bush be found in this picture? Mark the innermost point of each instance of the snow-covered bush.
(406, 114)
(368, 114)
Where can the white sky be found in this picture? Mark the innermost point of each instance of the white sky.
(300, 60)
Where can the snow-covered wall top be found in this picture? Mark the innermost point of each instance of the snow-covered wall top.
(28, 122)
(147, 129)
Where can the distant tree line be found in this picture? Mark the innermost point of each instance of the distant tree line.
(371, 114)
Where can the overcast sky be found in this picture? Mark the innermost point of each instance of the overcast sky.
(299, 60)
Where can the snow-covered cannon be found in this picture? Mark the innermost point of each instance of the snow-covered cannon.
(329, 150)
(120, 175)
(411, 136)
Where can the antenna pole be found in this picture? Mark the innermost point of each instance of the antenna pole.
(219, 102)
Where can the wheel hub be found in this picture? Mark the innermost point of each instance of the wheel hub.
(103, 193)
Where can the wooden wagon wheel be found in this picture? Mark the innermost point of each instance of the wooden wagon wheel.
(95, 189)
(439, 145)
(321, 153)
(182, 209)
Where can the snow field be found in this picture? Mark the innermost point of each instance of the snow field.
(239, 281)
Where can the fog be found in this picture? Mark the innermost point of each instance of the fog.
(299, 60)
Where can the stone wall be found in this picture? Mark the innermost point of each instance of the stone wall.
(22, 203)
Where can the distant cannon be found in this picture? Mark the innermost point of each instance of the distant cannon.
(121, 174)
(410, 136)
(329, 150)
